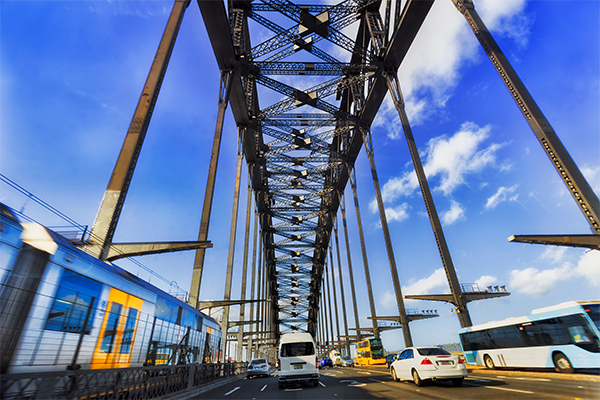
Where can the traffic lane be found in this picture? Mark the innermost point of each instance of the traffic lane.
(483, 385)
(549, 386)
(376, 383)
(332, 384)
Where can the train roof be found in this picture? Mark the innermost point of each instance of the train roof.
(31, 230)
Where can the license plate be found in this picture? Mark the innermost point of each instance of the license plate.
(298, 366)
(445, 362)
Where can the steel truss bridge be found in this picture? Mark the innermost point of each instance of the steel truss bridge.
(300, 149)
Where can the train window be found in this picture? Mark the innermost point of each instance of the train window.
(189, 319)
(166, 310)
(110, 331)
(72, 303)
(129, 332)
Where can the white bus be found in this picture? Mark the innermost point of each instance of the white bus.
(564, 337)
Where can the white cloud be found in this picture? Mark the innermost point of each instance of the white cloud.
(455, 213)
(553, 254)
(436, 282)
(399, 213)
(588, 267)
(505, 18)
(441, 51)
(535, 282)
(500, 196)
(388, 300)
(449, 158)
(592, 175)
(455, 157)
(485, 280)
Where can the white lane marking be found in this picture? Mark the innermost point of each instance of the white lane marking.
(525, 379)
(293, 390)
(499, 388)
(365, 373)
(375, 380)
(322, 384)
(263, 388)
(231, 391)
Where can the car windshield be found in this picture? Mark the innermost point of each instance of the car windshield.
(258, 361)
(433, 351)
(346, 358)
(297, 349)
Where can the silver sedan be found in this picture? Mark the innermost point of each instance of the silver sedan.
(258, 367)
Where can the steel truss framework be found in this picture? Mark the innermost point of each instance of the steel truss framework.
(301, 150)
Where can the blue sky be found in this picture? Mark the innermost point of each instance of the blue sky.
(72, 72)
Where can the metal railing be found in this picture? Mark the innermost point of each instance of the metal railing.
(130, 383)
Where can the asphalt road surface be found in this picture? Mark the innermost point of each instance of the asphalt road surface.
(376, 383)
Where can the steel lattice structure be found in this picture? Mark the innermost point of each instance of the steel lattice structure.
(301, 147)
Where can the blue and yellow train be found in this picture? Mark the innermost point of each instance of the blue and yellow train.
(62, 308)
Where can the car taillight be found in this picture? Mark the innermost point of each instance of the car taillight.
(278, 364)
(460, 360)
(317, 362)
(426, 361)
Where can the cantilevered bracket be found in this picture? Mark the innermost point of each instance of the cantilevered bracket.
(589, 241)
(409, 317)
(448, 298)
(123, 250)
(202, 305)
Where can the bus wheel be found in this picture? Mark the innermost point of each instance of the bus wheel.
(562, 363)
(488, 362)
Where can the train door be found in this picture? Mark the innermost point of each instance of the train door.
(117, 334)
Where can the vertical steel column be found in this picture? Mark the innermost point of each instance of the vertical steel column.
(325, 308)
(252, 286)
(322, 322)
(240, 335)
(363, 247)
(352, 289)
(576, 183)
(457, 295)
(337, 249)
(386, 236)
(232, 233)
(337, 316)
(109, 212)
(329, 304)
(224, 89)
(263, 289)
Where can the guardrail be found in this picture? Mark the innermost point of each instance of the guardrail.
(130, 383)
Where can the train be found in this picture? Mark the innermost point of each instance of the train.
(61, 308)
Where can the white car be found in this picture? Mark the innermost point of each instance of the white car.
(258, 367)
(428, 363)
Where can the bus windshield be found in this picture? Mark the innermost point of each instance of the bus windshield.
(593, 310)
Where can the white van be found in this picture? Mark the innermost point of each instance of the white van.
(297, 359)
